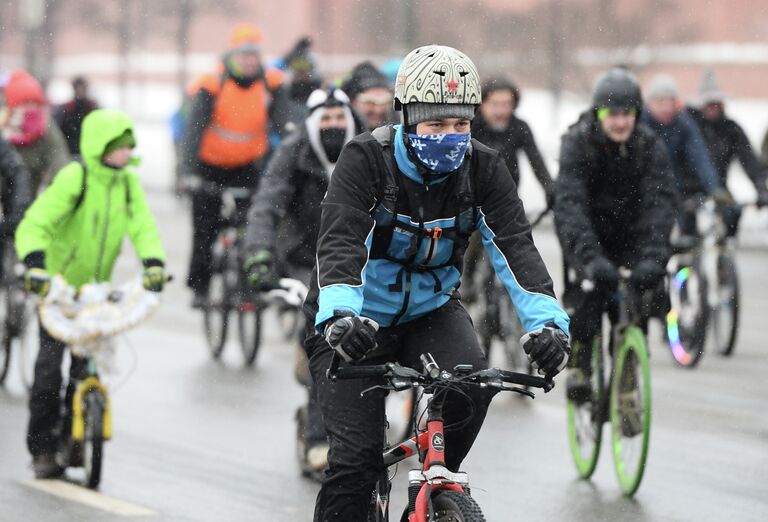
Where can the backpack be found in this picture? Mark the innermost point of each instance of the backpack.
(385, 213)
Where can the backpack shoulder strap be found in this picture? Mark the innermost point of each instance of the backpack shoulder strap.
(466, 198)
(388, 185)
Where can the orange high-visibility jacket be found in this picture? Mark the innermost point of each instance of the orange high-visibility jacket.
(238, 132)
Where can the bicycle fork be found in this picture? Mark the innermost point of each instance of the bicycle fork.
(90, 384)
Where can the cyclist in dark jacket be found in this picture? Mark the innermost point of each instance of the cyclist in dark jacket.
(727, 141)
(395, 223)
(496, 126)
(70, 115)
(284, 219)
(615, 206)
(694, 172)
(15, 193)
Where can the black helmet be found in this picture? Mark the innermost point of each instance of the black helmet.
(617, 89)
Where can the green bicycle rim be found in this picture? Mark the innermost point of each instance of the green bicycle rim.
(586, 463)
(623, 448)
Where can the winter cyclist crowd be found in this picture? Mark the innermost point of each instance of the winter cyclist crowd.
(373, 194)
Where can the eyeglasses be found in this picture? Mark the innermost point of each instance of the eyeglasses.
(604, 112)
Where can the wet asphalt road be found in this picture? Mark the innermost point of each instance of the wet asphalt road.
(196, 440)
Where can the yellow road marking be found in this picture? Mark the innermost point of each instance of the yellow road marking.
(88, 497)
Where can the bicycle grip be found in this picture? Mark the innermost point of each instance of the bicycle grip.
(523, 379)
(362, 372)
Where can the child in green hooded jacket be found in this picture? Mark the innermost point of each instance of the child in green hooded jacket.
(75, 228)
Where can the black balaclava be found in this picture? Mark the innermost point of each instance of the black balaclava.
(332, 140)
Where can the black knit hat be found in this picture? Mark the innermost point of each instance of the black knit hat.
(363, 77)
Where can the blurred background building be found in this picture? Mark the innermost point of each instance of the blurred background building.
(553, 44)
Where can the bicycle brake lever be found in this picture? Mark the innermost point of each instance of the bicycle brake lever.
(374, 388)
(521, 391)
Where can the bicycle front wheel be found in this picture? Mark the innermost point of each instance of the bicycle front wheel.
(216, 314)
(725, 314)
(93, 445)
(5, 339)
(586, 417)
(687, 319)
(5, 355)
(630, 409)
(29, 344)
(249, 327)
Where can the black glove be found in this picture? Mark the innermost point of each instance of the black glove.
(548, 349)
(300, 48)
(259, 272)
(602, 272)
(351, 336)
(646, 274)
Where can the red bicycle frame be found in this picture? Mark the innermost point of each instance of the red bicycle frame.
(433, 476)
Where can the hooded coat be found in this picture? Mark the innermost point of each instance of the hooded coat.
(284, 217)
(81, 241)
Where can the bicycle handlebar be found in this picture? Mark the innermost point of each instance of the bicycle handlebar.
(402, 377)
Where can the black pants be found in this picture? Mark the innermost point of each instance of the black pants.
(45, 405)
(206, 217)
(356, 425)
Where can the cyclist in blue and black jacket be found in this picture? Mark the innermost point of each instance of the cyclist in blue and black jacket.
(395, 222)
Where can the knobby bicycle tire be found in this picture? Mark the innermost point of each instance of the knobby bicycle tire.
(585, 419)
(728, 308)
(631, 415)
(93, 445)
(686, 322)
(456, 506)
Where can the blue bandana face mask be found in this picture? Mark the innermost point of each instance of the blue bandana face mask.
(441, 153)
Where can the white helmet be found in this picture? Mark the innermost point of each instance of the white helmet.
(437, 74)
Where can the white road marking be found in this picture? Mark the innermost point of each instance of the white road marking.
(88, 497)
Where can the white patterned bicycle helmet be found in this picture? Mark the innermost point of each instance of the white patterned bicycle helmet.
(438, 75)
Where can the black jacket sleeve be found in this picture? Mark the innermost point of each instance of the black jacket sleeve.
(659, 204)
(346, 227)
(577, 236)
(270, 203)
(346, 221)
(534, 157)
(747, 158)
(16, 185)
(200, 113)
(516, 260)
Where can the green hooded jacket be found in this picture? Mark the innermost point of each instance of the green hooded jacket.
(82, 242)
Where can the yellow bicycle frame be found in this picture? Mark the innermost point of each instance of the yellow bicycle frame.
(78, 421)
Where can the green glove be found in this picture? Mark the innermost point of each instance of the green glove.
(37, 281)
(155, 278)
(258, 270)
